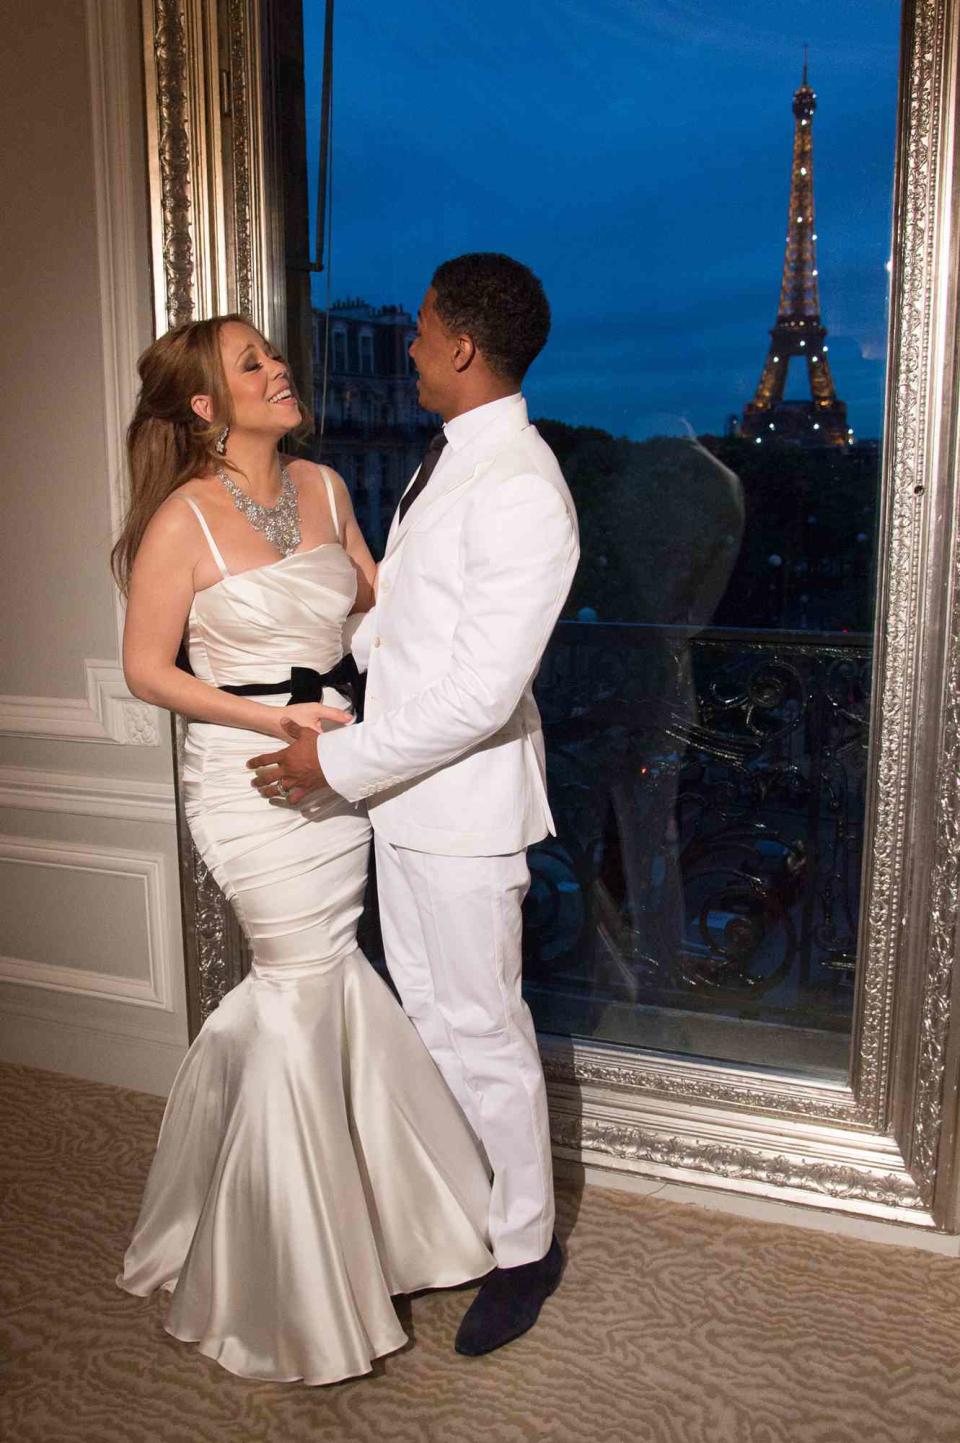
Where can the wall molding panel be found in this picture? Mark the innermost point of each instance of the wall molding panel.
(145, 870)
(108, 712)
(87, 796)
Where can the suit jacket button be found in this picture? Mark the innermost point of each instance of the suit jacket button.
(376, 641)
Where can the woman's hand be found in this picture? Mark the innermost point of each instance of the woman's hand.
(308, 714)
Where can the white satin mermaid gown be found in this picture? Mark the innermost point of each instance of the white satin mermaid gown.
(311, 1162)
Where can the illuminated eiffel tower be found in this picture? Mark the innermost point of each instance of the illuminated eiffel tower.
(821, 421)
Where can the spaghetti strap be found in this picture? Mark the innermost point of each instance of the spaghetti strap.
(215, 550)
(332, 499)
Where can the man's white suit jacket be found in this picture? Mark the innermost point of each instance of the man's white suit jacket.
(450, 753)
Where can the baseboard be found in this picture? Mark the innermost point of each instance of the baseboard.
(761, 1209)
(143, 1064)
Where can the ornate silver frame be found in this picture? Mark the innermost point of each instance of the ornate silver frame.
(884, 1142)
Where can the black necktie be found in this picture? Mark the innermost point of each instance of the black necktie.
(427, 468)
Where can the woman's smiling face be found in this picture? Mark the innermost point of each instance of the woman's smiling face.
(262, 393)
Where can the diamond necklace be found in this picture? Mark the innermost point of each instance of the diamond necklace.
(280, 524)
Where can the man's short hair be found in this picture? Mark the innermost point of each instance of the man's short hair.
(497, 302)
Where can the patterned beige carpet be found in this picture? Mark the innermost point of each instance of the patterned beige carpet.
(673, 1324)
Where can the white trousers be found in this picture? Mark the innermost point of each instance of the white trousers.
(452, 930)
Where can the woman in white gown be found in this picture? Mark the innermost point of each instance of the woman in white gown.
(311, 1163)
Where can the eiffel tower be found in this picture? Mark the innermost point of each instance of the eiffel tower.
(821, 421)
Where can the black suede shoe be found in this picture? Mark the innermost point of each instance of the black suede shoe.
(508, 1303)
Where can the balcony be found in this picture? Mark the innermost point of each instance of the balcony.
(708, 790)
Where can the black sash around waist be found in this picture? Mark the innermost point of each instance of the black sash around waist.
(304, 684)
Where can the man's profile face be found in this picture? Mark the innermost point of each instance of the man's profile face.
(431, 353)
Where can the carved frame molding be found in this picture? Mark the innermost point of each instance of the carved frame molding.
(205, 140)
(884, 1143)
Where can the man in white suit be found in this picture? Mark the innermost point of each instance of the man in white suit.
(449, 756)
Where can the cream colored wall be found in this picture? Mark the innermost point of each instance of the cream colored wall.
(90, 953)
(52, 421)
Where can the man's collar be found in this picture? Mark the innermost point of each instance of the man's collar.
(463, 428)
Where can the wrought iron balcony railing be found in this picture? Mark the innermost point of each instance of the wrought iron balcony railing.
(708, 790)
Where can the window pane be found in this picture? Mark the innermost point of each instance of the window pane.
(710, 215)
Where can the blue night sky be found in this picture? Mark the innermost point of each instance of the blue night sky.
(637, 156)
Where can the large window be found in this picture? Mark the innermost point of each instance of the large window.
(701, 909)
(709, 209)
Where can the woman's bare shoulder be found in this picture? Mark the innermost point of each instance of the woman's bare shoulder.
(310, 474)
(202, 489)
(174, 520)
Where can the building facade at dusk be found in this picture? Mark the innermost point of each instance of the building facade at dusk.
(374, 432)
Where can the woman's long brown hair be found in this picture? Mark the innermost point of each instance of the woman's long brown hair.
(167, 443)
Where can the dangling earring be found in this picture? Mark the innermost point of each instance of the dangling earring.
(220, 445)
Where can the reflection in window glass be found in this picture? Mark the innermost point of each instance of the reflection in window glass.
(709, 210)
